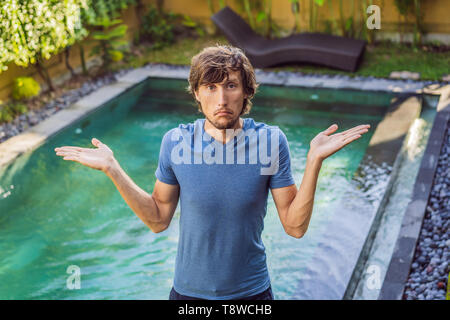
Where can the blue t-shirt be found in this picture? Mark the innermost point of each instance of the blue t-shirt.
(223, 201)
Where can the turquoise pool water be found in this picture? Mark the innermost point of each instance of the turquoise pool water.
(57, 213)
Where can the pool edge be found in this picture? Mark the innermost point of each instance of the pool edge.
(400, 264)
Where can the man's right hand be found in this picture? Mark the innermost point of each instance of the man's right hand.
(100, 158)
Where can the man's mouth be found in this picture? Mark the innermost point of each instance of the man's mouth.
(223, 113)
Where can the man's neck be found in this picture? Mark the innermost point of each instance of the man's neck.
(220, 135)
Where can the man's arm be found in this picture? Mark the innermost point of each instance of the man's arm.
(155, 210)
(295, 206)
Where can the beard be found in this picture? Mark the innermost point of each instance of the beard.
(223, 122)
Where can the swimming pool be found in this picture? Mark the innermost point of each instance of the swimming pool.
(57, 213)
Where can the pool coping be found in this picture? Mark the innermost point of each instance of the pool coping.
(38, 134)
(400, 264)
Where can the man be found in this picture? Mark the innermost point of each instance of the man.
(222, 188)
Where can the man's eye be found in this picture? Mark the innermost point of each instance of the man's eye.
(231, 85)
(211, 87)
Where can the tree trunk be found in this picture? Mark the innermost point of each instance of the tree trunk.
(83, 61)
(66, 56)
(44, 74)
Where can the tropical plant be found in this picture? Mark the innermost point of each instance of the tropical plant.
(259, 16)
(405, 7)
(418, 28)
(295, 8)
(248, 11)
(367, 34)
(313, 11)
(9, 111)
(158, 27)
(98, 12)
(111, 43)
(191, 24)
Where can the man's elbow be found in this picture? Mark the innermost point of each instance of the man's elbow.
(158, 228)
(297, 233)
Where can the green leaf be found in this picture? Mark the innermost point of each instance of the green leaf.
(261, 16)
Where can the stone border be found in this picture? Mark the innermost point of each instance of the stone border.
(399, 267)
(36, 135)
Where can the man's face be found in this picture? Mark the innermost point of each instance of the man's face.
(222, 103)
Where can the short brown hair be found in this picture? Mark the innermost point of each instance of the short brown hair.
(212, 65)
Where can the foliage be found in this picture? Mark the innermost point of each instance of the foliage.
(161, 27)
(111, 43)
(10, 110)
(295, 8)
(25, 87)
(98, 14)
(313, 8)
(34, 30)
(158, 27)
(102, 10)
(405, 7)
(191, 24)
(259, 16)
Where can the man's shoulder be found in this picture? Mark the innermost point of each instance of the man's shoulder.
(182, 128)
(256, 125)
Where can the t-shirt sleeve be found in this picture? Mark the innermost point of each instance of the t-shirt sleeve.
(164, 172)
(283, 177)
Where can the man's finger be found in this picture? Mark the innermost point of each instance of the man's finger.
(66, 153)
(355, 129)
(68, 148)
(349, 139)
(71, 158)
(96, 142)
(331, 129)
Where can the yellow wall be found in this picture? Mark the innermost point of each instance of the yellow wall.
(436, 18)
(435, 21)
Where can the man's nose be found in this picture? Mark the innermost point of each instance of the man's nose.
(222, 96)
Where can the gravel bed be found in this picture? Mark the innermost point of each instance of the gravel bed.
(430, 268)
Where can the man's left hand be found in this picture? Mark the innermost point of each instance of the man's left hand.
(325, 143)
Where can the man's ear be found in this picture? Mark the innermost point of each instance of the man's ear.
(196, 95)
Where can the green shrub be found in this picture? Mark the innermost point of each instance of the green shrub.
(111, 42)
(10, 110)
(158, 27)
(6, 114)
(115, 55)
(25, 87)
(19, 108)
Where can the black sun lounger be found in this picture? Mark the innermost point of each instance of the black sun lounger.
(317, 48)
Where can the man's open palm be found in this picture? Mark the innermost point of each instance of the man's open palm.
(325, 143)
(96, 158)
